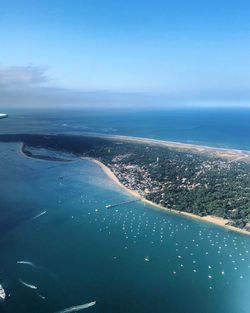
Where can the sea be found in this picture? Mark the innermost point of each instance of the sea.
(61, 248)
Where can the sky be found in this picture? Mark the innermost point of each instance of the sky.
(125, 53)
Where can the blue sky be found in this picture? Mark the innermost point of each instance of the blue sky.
(153, 52)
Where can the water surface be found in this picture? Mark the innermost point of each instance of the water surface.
(224, 128)
(129, 259)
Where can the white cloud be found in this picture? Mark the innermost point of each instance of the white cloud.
(31, 86)
(22, 75)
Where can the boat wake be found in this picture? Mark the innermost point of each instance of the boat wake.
(38, 215)
(27, 263)
(27, 284)
(77, 307)
(40, 296)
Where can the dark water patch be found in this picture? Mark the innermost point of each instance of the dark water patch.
(12, 217)
(33, 153)
(68, 143)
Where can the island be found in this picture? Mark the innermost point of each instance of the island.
(207, 183)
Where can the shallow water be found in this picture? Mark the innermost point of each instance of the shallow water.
(131, 258)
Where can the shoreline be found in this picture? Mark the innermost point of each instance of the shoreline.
(198, 149)
(23, 154)
(232, 154)
(209, 218)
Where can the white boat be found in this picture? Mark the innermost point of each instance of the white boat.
(2, 293)
(3, 115)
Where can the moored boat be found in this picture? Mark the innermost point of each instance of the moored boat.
(3, 115)
(2, 293)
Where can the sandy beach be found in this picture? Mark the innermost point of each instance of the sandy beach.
(231, 154)
(210, 219)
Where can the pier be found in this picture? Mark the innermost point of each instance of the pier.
(109, 206)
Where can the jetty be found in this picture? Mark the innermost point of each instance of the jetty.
(109, 206)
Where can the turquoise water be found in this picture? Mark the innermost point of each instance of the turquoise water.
(131, 258)
(83, 252)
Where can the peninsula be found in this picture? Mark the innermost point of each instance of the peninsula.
(207, 183)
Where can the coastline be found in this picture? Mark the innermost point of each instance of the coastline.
(23, 154)
(209, 219)
(231, 154)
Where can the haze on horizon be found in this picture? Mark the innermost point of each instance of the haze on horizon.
(96, 53)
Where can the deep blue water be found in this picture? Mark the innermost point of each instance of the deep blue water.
(83, 252)
(228, 128)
